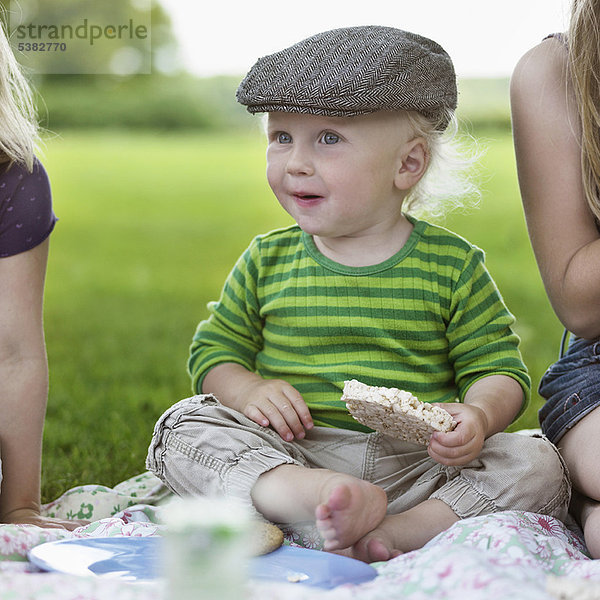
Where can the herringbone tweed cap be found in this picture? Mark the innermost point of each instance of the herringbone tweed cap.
(353, 71)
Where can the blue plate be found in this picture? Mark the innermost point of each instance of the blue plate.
(139, 559)
(310, 567)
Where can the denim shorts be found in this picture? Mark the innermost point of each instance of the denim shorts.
(201, 447)
(571, 387)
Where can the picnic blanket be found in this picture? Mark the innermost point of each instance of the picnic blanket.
(515, 555)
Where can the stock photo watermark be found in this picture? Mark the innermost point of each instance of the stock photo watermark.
(82, 37)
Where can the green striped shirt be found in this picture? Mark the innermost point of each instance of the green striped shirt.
(429, 320)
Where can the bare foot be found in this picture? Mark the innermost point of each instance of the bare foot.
(404, 532)
(376, 546)
(351, 509)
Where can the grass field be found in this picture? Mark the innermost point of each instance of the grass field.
(149, 227)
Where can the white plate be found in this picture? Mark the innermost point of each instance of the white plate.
(127, 558)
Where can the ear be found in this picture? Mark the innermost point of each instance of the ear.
(414, 162)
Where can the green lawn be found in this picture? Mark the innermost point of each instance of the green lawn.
(149, 227)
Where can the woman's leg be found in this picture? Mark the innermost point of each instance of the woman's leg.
(580, 448)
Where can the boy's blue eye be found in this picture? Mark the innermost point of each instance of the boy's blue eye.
(330, 138)
(284, 138)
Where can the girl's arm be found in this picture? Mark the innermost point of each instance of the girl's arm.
(563, 233)
(23, 387)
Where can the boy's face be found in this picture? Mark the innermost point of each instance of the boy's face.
(337, 176)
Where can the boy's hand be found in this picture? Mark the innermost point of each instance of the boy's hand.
(464, 443)
(267, 402)
(276, 403)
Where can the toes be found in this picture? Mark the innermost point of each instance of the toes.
(322, 512)
(328, 534)
(340, 498)
(330, 545)
(377, 550)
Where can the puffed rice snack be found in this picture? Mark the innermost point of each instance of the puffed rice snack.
(395, 412)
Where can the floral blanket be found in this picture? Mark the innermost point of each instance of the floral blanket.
(507, 555)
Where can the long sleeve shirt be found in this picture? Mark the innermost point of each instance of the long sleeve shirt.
(429, 320)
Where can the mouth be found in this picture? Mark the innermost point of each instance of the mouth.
(306, 199)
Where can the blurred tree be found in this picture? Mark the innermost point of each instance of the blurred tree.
(160, 102)
(101, 86)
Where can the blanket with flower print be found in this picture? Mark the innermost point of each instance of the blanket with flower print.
(513, 555)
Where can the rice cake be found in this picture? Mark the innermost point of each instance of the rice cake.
(266, 538)
(395, 412)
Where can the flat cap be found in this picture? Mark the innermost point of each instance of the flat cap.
(353, 71)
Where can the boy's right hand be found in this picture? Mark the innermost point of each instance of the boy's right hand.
(268, 402)
(275, 403)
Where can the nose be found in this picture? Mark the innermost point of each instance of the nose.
(300, 161)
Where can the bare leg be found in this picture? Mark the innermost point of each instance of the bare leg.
(406, 531)
(590, 519)
(580, 448)
(345, 508)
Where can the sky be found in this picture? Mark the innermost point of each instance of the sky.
(485, 38)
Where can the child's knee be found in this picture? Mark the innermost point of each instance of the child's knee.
(555, 484)
(513, 472)
(538, 475)
(201, 447)
(169, 450)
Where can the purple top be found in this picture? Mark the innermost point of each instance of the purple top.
(26, 216)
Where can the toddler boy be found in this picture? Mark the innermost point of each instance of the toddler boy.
(357, 289)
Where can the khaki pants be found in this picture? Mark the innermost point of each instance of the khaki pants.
(201, 447)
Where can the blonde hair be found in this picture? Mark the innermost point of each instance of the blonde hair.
(449, 182)
(18, 121)
(584, 69)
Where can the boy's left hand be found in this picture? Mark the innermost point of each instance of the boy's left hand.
(464, 443)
